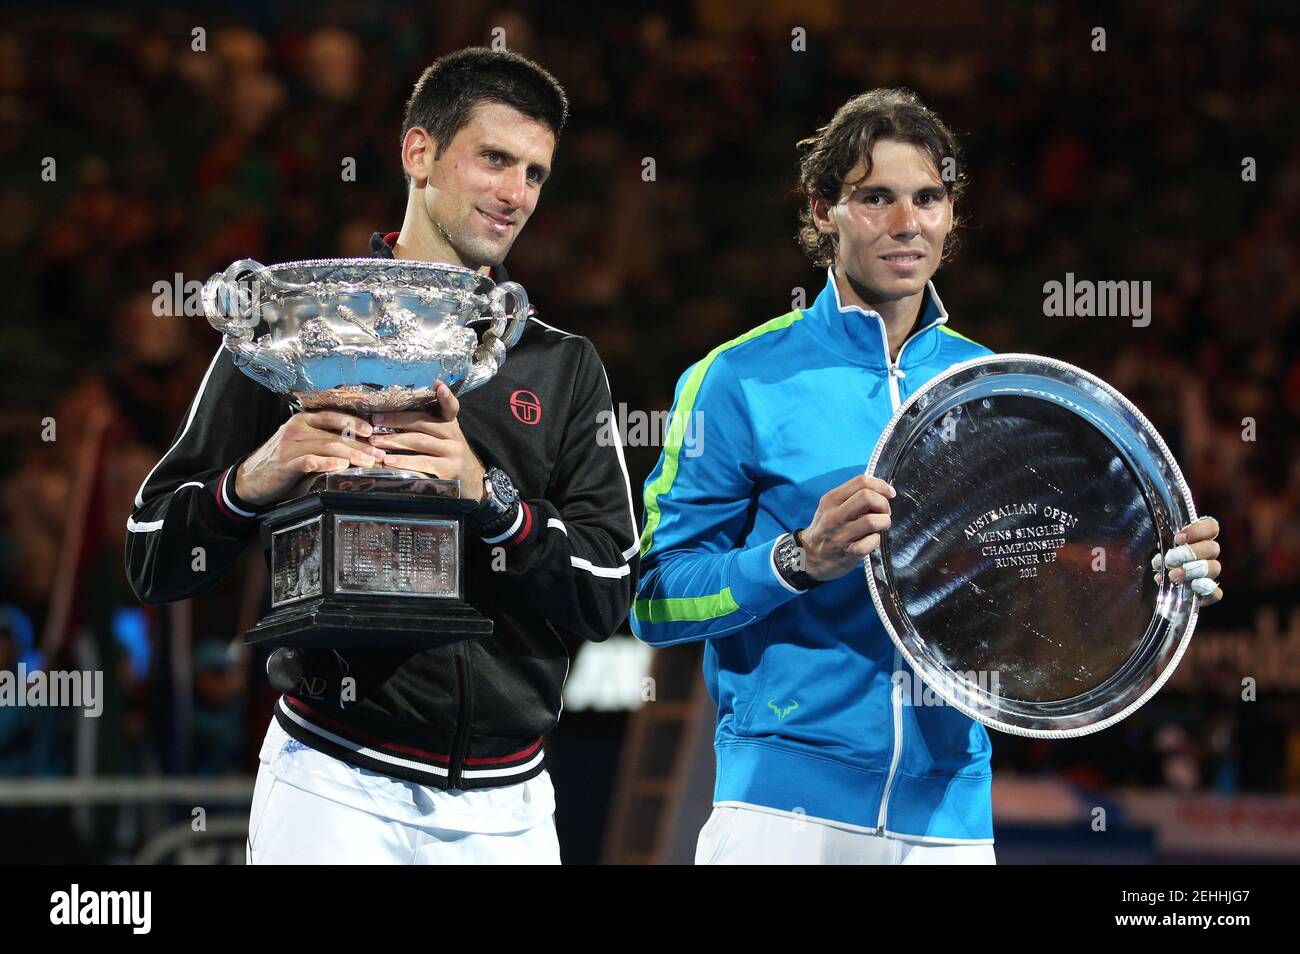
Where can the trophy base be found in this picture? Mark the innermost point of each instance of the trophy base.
(369, 624)
(368, 560)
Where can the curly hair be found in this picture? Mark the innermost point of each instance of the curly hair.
(827, 157)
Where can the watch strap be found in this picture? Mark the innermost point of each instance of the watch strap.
(799, 579)
(490, 525)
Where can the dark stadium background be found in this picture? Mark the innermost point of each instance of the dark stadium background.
(1122, 165)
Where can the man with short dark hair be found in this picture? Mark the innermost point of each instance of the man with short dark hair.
(752, 545)
(434, 756)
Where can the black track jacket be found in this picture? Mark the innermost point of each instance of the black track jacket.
(468, 715)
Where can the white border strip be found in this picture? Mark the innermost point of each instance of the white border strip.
(226, 497)
(519, 518)
(356, 746)
(152, 525)
(407, 763)
(194, 407)
(622, 465)
(612, 572)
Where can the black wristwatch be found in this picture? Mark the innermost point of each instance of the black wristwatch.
(789, 559)
(500, 503)
(499, 491)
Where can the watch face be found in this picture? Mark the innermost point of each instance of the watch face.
(501, 490)
(787, 555)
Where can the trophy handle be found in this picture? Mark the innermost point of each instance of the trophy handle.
(263, 365)
(231, 309)
(227, 304)
(506, 329)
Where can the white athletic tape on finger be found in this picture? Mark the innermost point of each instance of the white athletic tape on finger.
(1179, 555)
(1196, 570)
(1157, 563)
(1204, 587)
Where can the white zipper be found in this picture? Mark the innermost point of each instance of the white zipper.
(896, 695)
(896, 366)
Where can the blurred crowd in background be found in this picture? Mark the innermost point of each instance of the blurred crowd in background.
(1122, 164)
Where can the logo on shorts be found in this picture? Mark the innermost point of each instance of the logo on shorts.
(312, 686)
(781, 713)
(526, 407)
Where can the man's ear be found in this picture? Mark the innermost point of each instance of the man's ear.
(821, 215)
(418, 149)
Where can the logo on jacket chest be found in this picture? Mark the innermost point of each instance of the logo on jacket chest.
(526, 407)
(782, 710)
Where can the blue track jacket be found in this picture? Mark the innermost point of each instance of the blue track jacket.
(811, 721)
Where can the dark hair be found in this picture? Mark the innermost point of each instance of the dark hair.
(447, 92)
(829, 156)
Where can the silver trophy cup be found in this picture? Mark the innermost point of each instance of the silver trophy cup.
(364, 334)
(366, 557)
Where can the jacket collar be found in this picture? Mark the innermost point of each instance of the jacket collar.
(381, 246)
(858, 334)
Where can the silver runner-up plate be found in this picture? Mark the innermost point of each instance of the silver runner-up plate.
(1016, 577)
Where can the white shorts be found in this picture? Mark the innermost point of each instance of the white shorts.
(750, 836)
(310, 808)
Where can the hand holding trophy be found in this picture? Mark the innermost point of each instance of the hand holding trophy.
(343, 340)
